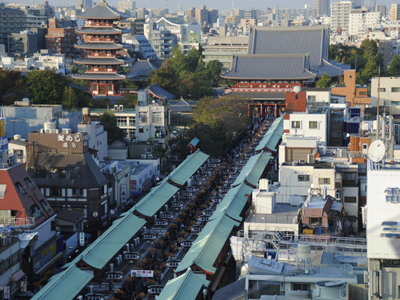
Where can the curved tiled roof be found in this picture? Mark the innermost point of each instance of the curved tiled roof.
(88, 30)
(97, 76)
(100, 46)
(103, 11)
(99, 61)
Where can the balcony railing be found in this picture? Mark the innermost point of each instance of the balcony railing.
(94, 55)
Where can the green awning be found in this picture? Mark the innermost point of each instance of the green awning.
(272, 137)
(253, 169)
(184, 287)
(188, 167)
(105, 247)
(65, 285)
(155, 199)
(208, 245)
(233, 202)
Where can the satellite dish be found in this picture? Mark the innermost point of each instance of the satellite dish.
(376, 151)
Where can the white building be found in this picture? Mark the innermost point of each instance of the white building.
(383, 225)
(161, 39)
(389, 91)
(97, 137)
(360, 20)
(340, 13)
(307, 125)
(142, 45)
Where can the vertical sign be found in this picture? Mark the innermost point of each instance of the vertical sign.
(81, 239)
(23, 285)
(133, 184)
(6, 292)
(123, 192)
(3, 135)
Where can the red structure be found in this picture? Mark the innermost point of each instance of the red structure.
(60, 40)
(101, 43)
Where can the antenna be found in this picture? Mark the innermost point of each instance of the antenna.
(376, 151)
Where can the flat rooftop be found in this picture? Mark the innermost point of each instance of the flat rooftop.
(282, 214)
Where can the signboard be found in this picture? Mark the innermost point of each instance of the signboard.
(123, 192)
(115, 276)
(173, 264)
(23, 285)
(131, 256)
(3, 135)
(133, 184)
(81, 239)
(142, 273)
(6, 292)
(155, 289)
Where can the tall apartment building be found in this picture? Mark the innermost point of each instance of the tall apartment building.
(340, 14)
(24, 43)
(222, 48)
(212, 16)
(161, 39)
(395, 12)
(126, 5)
(322, 7)
(84, 4)
(11, 21)
(381, 9)
(250, 14)
(201, 15)
(361, 19)
(60, 40)
(358, 3)
(191, 14)
(292, 13)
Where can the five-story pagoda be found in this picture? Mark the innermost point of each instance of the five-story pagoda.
(101, 43)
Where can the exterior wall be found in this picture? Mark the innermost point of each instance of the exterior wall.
(388, 91)
(138, 178)
(16, 149)
(97, 138)
(251, 228)
(349, 89)
(340, 12)
(296, 102)
(304, 129)
(60, 40)
(151, 122)
(24, 43)
(352, 208)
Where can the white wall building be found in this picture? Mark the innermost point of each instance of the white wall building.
(97, 138)
(340, 13)
(360, 20)
(307, 125)
(389, 91)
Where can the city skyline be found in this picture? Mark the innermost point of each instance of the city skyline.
(222, 5)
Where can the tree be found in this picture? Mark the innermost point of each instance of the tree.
(178, 60)
(46, 87)
(128, 84)
(128, 101)
(324, 81)
(12, 87)
(70, 100)
(214, 68)
(370, 70)
(193, 59)
(166, 77)
(74, 69)
(109, 121)
(394, 67)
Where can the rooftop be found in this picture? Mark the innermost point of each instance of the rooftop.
(282, 214)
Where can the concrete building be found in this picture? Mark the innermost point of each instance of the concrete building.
(381, 9)
(142, 45)
(60, 40)
(70, 179)
(13, 21)
(360, 20)
(84, 4)
(294, 12)
(395, 12)
(340, 14)
(126, 5)
(23, 43)
(389, 91)
(33, 21)
(201, 15)
(222, 48)
(161, 39)
(181, 31)
(322, 7)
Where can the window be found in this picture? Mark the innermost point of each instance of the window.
(350, 199)
(94, 87)
(363, 93)
(296, 124)
(324, 181)
(141, 130)
(313, 124)
(303, 178)
(110, 87)
(19, 153)
(392, 195)
(395, 89)
(382, 90)
(312, 98)
(301, 287)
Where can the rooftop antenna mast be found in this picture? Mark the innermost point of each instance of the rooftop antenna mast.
(377, 106)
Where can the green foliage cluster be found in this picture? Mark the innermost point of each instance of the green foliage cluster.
(214, 123)
(364, 59)
(324, 81)
(109, 121)
(187, 76)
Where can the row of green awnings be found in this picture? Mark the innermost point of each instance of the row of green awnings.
(234, 202)
(208, 245)
(271, 139)
(184, 287)
(155, 199)
(253, 170)
(107, 245)
(160, 194)
(188, 167)
(65, 285)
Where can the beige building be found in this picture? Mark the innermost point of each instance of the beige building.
(246, 24)
(395, 12)
(222, 48)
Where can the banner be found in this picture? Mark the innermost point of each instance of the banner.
(142, 273)
(3, 135)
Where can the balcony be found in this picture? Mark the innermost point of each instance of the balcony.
(100, 40)
(96, 55)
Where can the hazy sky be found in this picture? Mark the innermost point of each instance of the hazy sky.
(220, 4)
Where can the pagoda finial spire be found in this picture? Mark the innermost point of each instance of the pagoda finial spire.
(103, 2)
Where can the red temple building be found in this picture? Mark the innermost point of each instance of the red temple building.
(101, 50)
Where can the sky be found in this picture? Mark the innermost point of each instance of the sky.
(220, 4)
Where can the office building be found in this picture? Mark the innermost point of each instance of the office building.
(126, 5)
(322, 7)
(340, 14)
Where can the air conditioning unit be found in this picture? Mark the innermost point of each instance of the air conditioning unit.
(54, 131)
(149, 155)
(66, 130)
(47, 130)
(116, 107)
(302, 161)
(143, 155)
